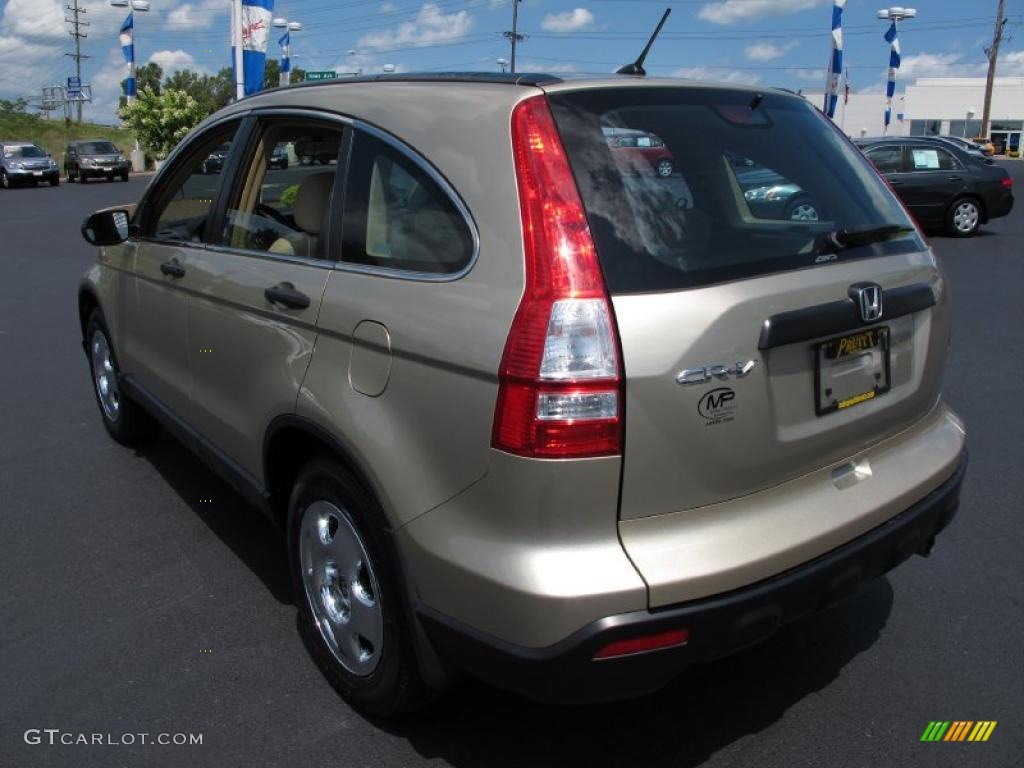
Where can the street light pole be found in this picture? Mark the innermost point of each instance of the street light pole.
(286, 54)
(896, 14)
(236, 43)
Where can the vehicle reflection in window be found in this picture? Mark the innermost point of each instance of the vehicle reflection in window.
(768, 194)
(639, 151)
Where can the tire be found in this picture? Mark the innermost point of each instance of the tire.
(305, 159)
(124, 419)
(5, 180)
(55, 181)
(665, 168)
(964, 217)
(124, 177)
(346, 580)
(802, 209)
(82, 178)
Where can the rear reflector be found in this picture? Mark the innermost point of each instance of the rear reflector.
(560, 384)
(670, 639)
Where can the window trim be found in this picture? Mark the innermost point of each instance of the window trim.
(408, 274)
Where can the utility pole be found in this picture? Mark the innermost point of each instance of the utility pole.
(77, 33)
(514, 35)
(993, 56)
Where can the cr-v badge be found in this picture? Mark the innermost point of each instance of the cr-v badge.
(709, 372)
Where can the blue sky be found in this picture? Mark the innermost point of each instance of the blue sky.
(774, 42)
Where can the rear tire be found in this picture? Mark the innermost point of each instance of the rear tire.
(123, 418)
(347, 584)
(964, 217)
(55, 181)
(124, 177)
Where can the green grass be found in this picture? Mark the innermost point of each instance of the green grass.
(53, 135)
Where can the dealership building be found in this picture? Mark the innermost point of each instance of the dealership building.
(938, 106)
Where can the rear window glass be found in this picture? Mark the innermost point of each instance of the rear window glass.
(685, 187)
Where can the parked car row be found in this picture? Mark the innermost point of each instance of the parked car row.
(22, 162)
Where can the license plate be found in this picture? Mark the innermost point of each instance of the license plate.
(37, 173)
(850, 370)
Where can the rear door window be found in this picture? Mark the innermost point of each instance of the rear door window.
(932, 159)
(758, 184)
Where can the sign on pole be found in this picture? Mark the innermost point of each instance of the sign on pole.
(74, 88)
(325, 75)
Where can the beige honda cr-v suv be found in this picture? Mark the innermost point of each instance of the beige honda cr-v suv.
(523, 406)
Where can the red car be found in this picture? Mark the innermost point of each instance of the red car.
(639, 147)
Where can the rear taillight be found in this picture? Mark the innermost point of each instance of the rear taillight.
(1007, 182)
(560, 387)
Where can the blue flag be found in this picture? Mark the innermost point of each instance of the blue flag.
(286, 62)
(256, 21)
(127, 38)
(894, 65)
(835, 69)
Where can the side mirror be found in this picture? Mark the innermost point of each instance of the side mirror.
(108, 227)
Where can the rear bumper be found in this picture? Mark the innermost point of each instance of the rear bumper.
(718, 625)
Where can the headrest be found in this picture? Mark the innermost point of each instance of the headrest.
(311, 201)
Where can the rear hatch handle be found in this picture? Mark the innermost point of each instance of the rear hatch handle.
(837, 317)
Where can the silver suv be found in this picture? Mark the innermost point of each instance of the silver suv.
(22, 162)
(523, 408)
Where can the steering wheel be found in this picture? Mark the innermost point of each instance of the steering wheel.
(272, 213)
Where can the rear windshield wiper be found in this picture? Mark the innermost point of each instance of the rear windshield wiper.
(842, 239)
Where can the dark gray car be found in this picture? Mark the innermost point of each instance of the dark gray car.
(24, 162)
(95, 159)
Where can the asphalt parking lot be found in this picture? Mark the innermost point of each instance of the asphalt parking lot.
(130, 605)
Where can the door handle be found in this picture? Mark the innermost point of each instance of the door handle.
(286, 295)
(895, 182)
(956, 178)
(172, 268)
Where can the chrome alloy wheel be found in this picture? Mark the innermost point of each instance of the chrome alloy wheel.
(341, 587)
(803, 212)
(104, 375)
(966, 216)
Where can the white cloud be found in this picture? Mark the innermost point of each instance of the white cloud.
(27, 67)
(35, 18)
(764, 51)
(197, 15)
(733, 11)
(171, 61)
(721, 75)
(570, 21)
(430, 26)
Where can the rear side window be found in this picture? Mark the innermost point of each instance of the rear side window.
(691, 186)
(398, 217)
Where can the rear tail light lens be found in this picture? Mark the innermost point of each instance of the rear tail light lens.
(560, 387)
(1007, 181)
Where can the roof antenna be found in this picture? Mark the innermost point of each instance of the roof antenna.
(637, 67)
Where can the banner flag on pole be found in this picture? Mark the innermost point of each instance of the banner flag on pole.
(835, 67)
(894, 65)
(256, 21)
(127, 38)
(286, 61)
